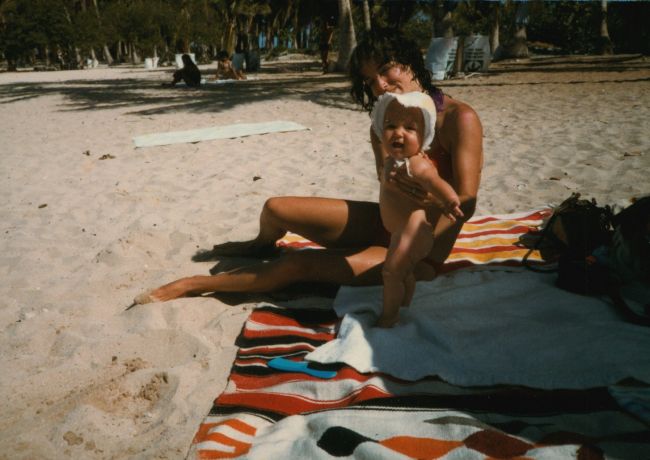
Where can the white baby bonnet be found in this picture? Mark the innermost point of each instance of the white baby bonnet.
(412, 99)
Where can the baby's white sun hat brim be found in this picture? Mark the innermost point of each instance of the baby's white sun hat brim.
(413, 99)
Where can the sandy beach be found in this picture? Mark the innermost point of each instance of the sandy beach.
(89, 221)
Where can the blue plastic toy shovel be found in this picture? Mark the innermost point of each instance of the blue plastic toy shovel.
(283, 364)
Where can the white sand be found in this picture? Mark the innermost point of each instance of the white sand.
(82, 378)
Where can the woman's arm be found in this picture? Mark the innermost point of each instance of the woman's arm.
(462, 137)
(465, 145)
(378, 151)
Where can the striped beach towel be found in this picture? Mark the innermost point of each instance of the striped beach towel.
(270, 414)
(265, 413)
(496, 240)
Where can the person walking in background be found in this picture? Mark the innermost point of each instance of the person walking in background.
(326, 32)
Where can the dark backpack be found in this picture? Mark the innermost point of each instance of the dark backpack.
(580, 233)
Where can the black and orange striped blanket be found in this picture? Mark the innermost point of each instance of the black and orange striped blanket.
(270, 414)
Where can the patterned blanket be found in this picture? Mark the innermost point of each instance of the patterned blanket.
(266, 413)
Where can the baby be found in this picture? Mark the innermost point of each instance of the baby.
(405, 125)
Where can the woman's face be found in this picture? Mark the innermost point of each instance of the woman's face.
(390, 77)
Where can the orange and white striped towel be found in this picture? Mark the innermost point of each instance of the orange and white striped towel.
(487, 240)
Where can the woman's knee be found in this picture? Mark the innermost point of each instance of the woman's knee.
(468, 207)
(275, 207)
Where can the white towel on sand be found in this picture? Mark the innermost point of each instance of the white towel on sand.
(476, 328)
(216, 132)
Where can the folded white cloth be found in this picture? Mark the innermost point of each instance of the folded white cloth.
(475, 328)
(216, 132)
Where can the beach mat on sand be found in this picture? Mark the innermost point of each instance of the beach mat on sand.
(215, 132)
(268, 413)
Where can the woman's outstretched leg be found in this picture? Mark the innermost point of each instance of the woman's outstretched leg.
(346, 267)
(332, 223)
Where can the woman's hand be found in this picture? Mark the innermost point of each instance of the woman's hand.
(446, 199)
(398, 176)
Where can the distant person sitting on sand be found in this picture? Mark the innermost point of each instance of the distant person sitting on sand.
(405, 125)
(225, 70)
(190, 73)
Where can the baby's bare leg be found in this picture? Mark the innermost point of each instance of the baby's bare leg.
(409, 289)
(407, 247)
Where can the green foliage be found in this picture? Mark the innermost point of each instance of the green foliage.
(473, 17)
(418, 28)
(572, 26)
(628, 26)
(29, 27)
(31, 24)
(140, 22)
(88, 30)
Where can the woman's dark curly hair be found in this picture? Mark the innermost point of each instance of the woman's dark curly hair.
(383, 46)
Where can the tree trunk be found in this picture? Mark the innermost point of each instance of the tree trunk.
(294, 29)
(519, 48)
(135, 57)
(347, 37)
(605, 44)
(494, 33)
(447, 25)
(77, 53)
(366, 16)
(458, 61)
(230, 36)
(106, 52)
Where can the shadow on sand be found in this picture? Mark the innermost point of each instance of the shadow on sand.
(538, 70)
(146, 97)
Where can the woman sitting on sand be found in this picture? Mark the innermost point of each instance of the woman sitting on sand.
(190, 73)
(225, 69)
(352, 232)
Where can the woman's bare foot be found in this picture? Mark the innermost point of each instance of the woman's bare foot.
(238, 249)
(173, 290)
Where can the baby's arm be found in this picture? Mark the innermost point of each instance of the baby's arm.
(425, 173)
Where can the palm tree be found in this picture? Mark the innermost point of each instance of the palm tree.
(605, 45)
(494, 32)
(366, 16)
(106, 52)
(519, 48)
(347, 37)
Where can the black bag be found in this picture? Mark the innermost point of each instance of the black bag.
(580, 232)
(576, 229)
